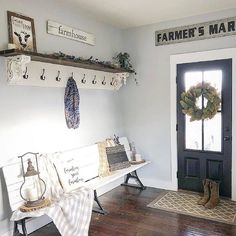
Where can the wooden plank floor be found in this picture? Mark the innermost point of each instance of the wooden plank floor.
(130, 216)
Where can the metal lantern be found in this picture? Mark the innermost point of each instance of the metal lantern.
(33, 188)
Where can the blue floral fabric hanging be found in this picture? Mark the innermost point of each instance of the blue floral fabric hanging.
(71, 100)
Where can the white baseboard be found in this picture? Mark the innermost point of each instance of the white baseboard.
(168, 185)
(162, 184)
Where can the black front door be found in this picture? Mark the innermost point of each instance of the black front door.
(205, 147)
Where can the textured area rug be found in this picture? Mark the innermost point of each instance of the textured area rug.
(186, 203)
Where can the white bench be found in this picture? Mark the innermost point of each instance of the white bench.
(129, 172)
(13, 178)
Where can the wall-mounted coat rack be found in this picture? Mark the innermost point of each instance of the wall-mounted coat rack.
(35, 69)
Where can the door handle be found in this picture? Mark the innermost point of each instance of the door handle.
(227, 138)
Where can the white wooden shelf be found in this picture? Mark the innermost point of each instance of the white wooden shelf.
(36, 69)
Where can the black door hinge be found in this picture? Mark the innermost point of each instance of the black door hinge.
(177, 174)
(177, 127)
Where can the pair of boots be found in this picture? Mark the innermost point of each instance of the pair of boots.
(211, 194)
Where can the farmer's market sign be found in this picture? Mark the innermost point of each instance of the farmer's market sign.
(69, 32)
(211, 29)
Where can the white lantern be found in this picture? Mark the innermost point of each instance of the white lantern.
(33, 188)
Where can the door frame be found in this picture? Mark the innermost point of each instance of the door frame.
(229, 53)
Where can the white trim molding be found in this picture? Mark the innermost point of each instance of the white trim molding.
(229, 53)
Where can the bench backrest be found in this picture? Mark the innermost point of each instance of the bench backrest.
(88, 157)
(13, 179)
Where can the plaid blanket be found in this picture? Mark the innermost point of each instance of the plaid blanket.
(70, 212)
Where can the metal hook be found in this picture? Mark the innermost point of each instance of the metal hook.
(43, 77)
(83, 81)
(112, 81)
(58, 79)
(94, 80)
(104, 81)
(26, 76)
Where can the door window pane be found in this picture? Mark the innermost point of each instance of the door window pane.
(193, 134)
(214, 77)
(212, 134)
(193, 130)
(192, 78)
(213, 127)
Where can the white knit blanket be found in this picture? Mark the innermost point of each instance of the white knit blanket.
(70, 212)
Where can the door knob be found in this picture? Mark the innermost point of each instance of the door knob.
(226, 138)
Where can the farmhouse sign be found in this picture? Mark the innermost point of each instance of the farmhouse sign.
(69, 32)
(200, 31)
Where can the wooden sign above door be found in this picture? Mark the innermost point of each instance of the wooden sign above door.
(65, 31)
(211, 29)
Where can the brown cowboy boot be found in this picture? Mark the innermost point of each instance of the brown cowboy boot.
(215, 198)
(206, 195)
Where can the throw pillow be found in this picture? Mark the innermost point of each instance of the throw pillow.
(103, 162)
(117, 157)
(69, 174)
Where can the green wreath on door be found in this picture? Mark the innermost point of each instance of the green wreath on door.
(189, 99)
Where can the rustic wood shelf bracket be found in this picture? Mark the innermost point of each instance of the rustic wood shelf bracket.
(16, 67)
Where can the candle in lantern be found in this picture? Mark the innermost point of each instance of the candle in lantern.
(31, 194)
(33, 187)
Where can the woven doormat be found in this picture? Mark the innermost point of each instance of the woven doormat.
(186, 203)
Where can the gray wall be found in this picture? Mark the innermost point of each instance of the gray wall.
(32, 118)
(146, 108)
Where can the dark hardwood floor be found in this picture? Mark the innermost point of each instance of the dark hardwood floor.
(130, 216)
